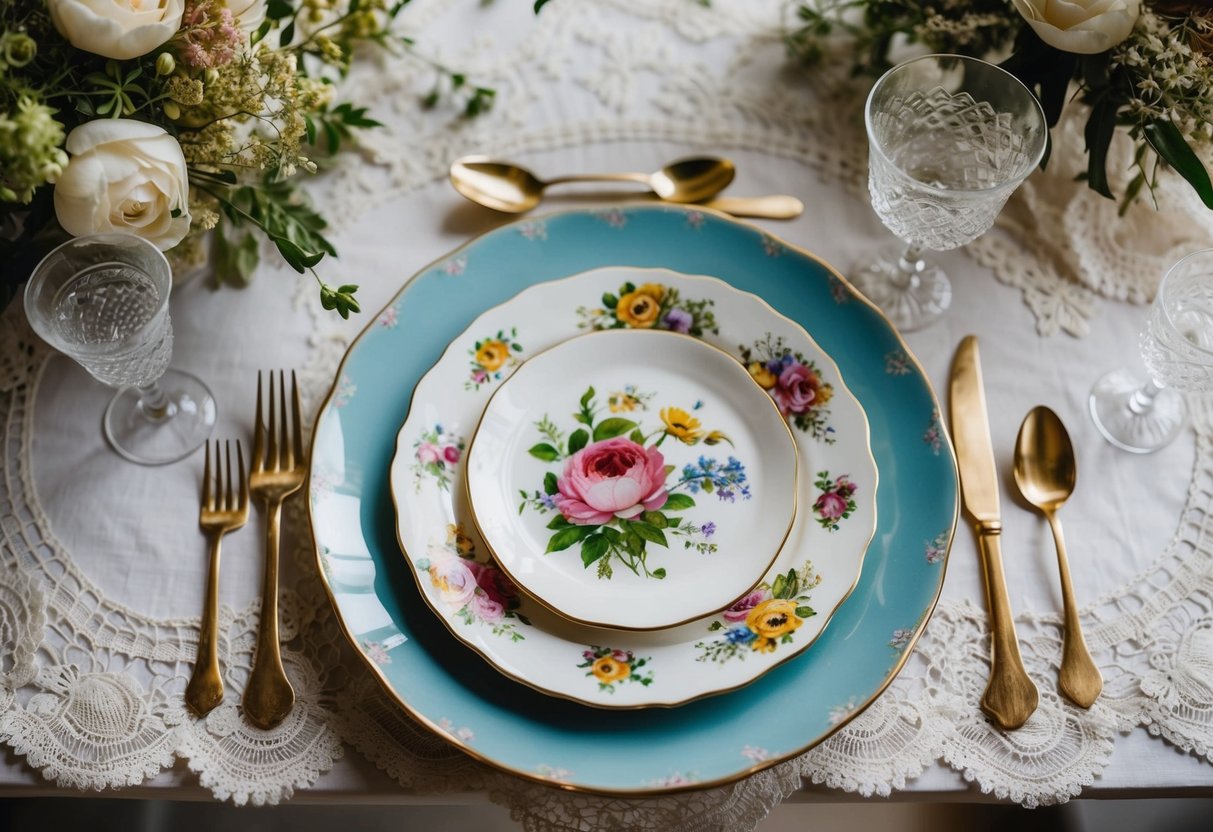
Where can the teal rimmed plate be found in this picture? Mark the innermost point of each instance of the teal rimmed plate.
(446, 687)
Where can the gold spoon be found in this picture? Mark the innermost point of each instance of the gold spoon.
(513, 189)
(1045, 471)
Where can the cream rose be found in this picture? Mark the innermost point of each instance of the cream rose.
(124, 175)
(118, 29)
(1083, 26)
(249, 14)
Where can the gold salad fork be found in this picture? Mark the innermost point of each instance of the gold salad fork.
(278, 470)
(223, 510)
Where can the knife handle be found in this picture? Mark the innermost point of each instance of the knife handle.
(1010, 696)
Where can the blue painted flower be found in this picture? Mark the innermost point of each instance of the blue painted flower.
(740, 635)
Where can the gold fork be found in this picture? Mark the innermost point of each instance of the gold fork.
(278, 471)
(223, 511)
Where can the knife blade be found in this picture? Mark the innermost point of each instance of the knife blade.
(1010, 696)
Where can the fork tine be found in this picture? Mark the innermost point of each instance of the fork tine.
(271, 455)
(287, 462)
(258, 432)
(243, 478)
(295, 407)
(206, 481)
(229, 497)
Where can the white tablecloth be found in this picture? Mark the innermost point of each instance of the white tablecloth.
(112, 553)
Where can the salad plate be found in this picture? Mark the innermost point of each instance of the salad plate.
(443, 685)
(612, 518)
(815, 569)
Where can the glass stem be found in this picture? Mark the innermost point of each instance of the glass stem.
(909, 267)
(1142, 401)
(154, 402)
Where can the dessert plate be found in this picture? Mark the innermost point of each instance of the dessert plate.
(612, 518)
(816, 568)
(443, 685)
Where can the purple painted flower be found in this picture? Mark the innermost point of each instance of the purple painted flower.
(741, 609)
(679, 320)
(708, 529)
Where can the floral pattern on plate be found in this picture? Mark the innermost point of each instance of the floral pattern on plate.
(837, 500)
(764, 618)
(613, 667)
(613, 496)
(649, 306)
(435, 455)
(477, 592)
(491, 357)
(794, 382)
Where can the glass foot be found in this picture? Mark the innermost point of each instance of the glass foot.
(161, 438)
(1118, 411)
(911, 299)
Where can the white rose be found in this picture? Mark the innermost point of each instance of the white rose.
(119, 29)
(249, 14)
(124, 175)
(1086, 27)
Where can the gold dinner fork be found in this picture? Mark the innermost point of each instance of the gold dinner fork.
(223, 511)
(278, 471)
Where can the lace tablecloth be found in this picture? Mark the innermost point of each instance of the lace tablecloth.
(101, 568)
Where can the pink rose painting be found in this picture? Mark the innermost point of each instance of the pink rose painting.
(612, 478)
(615, 494)
(741, 610)
(836, 502)
(795, 383)
(435, 454)
(796, 389)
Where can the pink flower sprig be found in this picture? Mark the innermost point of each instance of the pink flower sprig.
(209, 37)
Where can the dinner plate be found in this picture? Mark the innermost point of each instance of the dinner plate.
(816, 568)
(636, 520)
(444, 686)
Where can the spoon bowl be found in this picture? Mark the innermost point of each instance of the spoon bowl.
(504, 186)
(1045, 468)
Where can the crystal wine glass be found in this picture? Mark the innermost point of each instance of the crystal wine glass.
(950, 138)
(103, 301)
(1177, 346)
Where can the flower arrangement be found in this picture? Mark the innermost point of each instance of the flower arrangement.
(764, 618)
(649, 306)
(477, 593)
(1144, 67)
(168, 119)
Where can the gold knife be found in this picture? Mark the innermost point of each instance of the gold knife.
(1010, 696)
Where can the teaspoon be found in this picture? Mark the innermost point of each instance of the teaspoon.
(1045, 470)
(507, 187)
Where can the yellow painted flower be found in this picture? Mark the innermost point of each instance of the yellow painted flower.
(773, 618)
(763, 645)
(608, 670)
(681, 425)
(654, 290)
(455, 537)
(716, 437)
(492, 354)
(639, 309)
(622, 402)
(762, 375)
(824, 393)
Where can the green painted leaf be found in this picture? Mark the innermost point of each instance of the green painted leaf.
(636, 436)
(586, 396)
(609, 300)
(1173, 148)
(656, 573)
(805, 612)
(549, 483)
(655, 518)
(593, 547)
(545, 452)
(779, 586)
(610, 428)
(558, 522)
(678, 502)
(578, 440)
(648, 532)
(565, 538)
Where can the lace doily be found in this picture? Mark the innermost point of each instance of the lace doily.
(91, 690)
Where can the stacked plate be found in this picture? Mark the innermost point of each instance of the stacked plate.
(630, 459)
